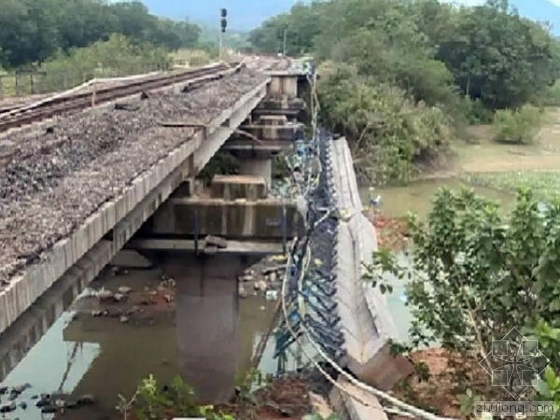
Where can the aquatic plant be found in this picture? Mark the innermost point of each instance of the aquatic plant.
(545, 185)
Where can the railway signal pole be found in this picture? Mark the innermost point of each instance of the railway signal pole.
(223, 26)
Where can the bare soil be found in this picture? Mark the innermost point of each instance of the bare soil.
(481, 154)
(439, 394)
(391, 231)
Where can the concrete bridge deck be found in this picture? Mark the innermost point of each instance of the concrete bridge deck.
(113, 193)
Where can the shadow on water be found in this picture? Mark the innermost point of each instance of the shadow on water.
(104, 356)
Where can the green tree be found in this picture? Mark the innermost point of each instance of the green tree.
(389, 133)
(33, 30)
(477, 272)
(497, 56)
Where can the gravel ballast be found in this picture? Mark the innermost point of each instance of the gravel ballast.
(57, 178)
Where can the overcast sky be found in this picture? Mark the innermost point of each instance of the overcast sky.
(473, 2)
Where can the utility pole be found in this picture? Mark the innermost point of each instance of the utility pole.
(223, 26)
(284, 35)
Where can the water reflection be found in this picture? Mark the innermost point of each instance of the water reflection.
(106, 356)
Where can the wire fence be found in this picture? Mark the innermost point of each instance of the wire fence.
(39, 82)
(25, 83)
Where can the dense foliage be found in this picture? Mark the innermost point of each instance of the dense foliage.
(33, 30)
(477, 272)
(391, 133)
(429, 56)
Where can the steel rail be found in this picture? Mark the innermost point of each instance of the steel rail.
(77, 102)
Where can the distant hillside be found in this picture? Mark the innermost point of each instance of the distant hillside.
(242, 13)
(246, 17)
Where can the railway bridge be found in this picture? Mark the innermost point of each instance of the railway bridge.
(77, 188)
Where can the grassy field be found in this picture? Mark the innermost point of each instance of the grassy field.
(59, 80)
(482, 162)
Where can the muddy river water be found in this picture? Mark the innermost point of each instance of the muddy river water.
(107, 354)
(89, 352)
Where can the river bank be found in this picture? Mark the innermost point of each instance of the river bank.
(494, 171)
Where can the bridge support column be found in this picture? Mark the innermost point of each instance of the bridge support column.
(207, 320)
(257, 167)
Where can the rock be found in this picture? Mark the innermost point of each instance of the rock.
(96, 313)
(8, 408)
(119, 297)
(274, 269)
(167, 298)
(272, 277)
(124, 319)
(3, 390)
(271, 295)
(260, 285)
(105, 294)
(246, 279)
(49, 409)
(71, 404)
(216, 240)
(43, 402)
(132, 310)
(86, 399)
(279, 258)
(23, 405)
(20, 388)
(242, 292)
(124, 290)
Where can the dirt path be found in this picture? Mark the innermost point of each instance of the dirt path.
(488, 156)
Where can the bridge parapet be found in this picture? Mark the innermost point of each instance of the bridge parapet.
(366, 322)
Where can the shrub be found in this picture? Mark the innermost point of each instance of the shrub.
(520, 126)
(475, 111)
(389, 133)
(552, 95)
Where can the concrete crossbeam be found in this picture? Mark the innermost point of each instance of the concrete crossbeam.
(271, 132)
(260, 219)
(233, 187)
(246, 247)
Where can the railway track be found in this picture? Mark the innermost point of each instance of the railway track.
(13, 117)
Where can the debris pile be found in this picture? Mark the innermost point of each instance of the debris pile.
(264, 278)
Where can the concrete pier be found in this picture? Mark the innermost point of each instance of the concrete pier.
(258, 167)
